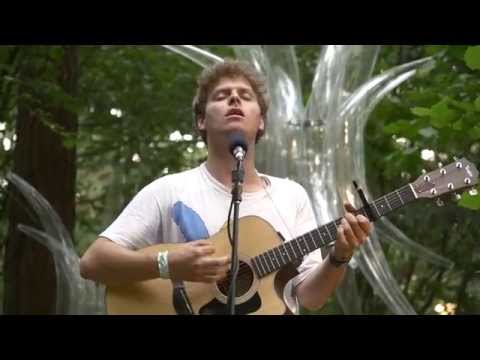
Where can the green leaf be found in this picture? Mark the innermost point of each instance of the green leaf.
(398, 127)
(472, 57)
(470, 202)
(410, 150)
(9, 78)
(423, 97)
(458, 125)
(477, 104)
(441, 115)
(457, 51)
(69, 142)
(475, 133)
(434, 49)
(428, 132)
(421, 111)
(462, 105)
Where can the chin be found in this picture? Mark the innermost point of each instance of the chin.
(236, 128)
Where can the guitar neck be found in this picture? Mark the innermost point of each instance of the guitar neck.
(294, 250)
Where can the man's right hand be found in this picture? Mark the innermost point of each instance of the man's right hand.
(194, 262)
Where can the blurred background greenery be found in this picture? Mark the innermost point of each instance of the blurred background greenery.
(109, 119)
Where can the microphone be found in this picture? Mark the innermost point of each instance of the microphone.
(238, 146)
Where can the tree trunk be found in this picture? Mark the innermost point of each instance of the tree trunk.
(42, 159)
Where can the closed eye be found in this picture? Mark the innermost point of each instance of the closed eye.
(221, 95)
(247, 95)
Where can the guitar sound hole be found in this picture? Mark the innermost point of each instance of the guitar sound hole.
(244, 282)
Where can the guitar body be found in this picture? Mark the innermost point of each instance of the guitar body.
(258, 239)
(254, 295)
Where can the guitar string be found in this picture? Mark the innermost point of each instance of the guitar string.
(245, 268)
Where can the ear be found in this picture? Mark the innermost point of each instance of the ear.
(201, 123)
(261, 126)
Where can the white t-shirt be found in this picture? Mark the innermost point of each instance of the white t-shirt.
(193, 205)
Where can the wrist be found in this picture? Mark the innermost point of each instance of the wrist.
(338, 261)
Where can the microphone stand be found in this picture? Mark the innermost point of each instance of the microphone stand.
(238, 176)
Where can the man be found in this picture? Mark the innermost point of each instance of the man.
(189, 207)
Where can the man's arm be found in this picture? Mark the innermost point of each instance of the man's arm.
(112, 264)
(314, 291)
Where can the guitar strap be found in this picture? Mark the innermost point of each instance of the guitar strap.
(266, 185)
(181, 303)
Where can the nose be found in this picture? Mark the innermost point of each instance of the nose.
(234, 99)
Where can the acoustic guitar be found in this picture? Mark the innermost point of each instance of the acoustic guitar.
(266, 262)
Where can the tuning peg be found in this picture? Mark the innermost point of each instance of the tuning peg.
(473, 192)
(458, 197)
(440, 165)
(455, 158)
(424, 171)
(440, 202)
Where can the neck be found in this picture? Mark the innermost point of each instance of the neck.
(296, 249)
(220, 164)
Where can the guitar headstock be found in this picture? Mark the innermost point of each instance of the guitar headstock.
(457, 176)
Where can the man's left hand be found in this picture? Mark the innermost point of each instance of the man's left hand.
(352, 233)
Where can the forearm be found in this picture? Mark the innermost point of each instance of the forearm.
(314, 291)
(112, 264)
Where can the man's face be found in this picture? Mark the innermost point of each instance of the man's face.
(232, 107)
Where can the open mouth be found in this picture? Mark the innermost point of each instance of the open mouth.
(235, 112)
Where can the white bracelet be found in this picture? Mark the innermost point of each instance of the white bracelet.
(162, 260)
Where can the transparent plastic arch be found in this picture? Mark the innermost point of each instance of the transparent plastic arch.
(74, 295)
(319, 145)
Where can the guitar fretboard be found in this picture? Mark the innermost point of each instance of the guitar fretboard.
(294, 250)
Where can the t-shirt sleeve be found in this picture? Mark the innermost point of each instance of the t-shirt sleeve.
(139, 224)
(306, 222)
